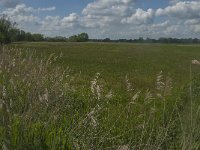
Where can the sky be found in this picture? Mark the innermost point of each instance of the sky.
(115, 19)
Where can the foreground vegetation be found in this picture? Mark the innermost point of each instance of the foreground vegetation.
(45, 105)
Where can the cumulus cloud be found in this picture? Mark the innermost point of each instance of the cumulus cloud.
(102, 13)
(108, 7)
(26, 17)
(162, 24)
(182, 10)
(195, 28)
(140, 17)
(193, 25)
(186, 13)
(22, 9)
(9, 3)
(114, 19)
(73, 17)
(192, 22)
(58, 24)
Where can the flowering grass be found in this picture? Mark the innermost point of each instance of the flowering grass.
(46, 106)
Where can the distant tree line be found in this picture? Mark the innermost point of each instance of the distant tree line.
(83, 37)
(10, 33)
(149, 40)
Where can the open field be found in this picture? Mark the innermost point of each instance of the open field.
(140, 62)
(99, 96)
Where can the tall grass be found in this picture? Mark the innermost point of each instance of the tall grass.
(43, 107)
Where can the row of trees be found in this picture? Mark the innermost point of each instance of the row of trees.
(148, 40)
(9, 33)
(83, 37)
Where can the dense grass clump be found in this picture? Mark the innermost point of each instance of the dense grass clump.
(43, 106)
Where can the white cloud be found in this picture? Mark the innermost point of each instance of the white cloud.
(195, 28)
(193, 25)
(46, 9)
(22, 9)
(21, 14)
(160, 25)
(55, 25)
(140, 17)
(69, 21)
(73, 17)
(103, 13)
(26, 17)
(181, 10)
(113, 18)
(108, 7)
(192, 21)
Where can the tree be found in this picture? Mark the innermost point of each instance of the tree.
(2, 38)
(37, 37)
(5, 27)
(73, 38)
(14, 34)
(107, 40)
(83, 37)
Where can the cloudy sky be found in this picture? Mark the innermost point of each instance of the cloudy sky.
(106, 18)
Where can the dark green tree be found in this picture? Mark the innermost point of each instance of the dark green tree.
(37, 37)
(83, 37)
(6, 27)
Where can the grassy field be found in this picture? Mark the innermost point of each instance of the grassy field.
(99, 96)
(140, 62)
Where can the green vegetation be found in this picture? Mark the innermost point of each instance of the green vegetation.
(6, 28)
(98, 96)
(9, 33)
(83, 37)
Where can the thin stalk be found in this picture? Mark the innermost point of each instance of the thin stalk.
(191, 103)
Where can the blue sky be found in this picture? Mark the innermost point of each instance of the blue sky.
(64, 7)
(106, 18)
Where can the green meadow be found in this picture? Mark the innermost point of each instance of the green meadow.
(99, 96)
(140, 62)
